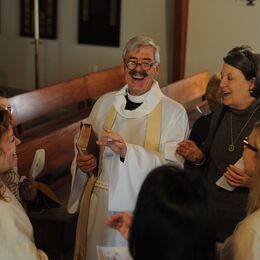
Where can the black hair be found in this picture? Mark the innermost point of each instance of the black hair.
(174, 218)
(247, 61)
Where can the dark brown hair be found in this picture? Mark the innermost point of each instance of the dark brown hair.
(247, 61)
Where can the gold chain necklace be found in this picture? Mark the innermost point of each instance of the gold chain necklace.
(231, 147)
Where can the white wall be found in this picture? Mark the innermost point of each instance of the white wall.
(64, 58)
(215, 27)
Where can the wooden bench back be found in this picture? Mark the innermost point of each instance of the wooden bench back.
(104, 81)
(41, 102)
(187, 89)
(36, 103)
(59, 152)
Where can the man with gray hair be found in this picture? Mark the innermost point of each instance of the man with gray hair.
(138, 129)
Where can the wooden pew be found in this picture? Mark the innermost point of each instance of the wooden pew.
(59, 151)
(190, 93)
(37, 109)
(188, 89)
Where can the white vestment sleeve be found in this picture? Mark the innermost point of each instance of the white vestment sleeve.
(77, 186)
(175, 129)
(126, 178)
(172, 156)
(78, 180)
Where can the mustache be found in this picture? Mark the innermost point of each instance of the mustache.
(138, 73)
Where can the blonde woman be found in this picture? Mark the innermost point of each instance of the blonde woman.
(16, 231)
(244, 243)
(25, 191)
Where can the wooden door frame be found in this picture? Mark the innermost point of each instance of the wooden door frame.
(181, 12)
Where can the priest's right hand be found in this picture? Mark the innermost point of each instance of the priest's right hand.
(87, 163)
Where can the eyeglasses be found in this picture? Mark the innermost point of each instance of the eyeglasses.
(145, 66)
(246, 143)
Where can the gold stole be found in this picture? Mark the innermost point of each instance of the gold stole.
(152, 142)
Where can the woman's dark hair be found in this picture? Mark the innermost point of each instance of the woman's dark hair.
(247, 61)
(174, 218)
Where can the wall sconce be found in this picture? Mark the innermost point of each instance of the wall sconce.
(250, 2)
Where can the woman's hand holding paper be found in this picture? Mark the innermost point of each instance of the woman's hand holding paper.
(237, 177)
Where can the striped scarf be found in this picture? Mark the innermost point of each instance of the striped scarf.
(11, 180)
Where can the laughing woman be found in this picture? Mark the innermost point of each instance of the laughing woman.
(16, 232)
(223, 147)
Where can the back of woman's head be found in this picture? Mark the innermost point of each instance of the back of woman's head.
(247, 61)
(213, 91)
(174, 218)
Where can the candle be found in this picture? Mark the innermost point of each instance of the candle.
(36, 19)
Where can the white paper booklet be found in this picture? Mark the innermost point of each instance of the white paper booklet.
(37, 164)
(113, 253)
(222, 182)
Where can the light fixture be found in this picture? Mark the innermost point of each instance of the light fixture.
(250, 2)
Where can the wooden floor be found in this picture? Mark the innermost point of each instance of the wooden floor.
(55, 229)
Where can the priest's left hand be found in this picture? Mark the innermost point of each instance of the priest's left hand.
(114, 141)
(87, 163)
(237, 177)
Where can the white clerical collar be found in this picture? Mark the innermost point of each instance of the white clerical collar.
(150, 99)
(137, 99)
